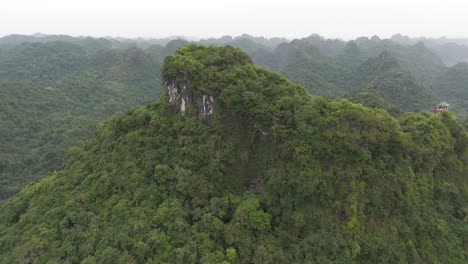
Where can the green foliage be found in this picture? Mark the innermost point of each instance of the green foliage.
(451, 85)
(42, 62)
(277, 176)
(54, 96)
(396, 89)
(371, 97)
(336, 69)
(399, 88)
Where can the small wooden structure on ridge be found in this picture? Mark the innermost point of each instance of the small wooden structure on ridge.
(441, 108)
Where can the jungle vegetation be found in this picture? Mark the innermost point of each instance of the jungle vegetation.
(274, 175)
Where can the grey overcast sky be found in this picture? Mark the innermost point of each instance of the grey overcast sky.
(345, 19)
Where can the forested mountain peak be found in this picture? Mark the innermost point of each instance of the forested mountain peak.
(193, 78)
(397, 85)
(277, 176)
(329, 67)
(387, 60)
(372, 68)
(269, 43)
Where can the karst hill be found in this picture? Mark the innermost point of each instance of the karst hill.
(235, 164)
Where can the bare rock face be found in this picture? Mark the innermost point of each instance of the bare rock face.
(205, 108)
(180, 96)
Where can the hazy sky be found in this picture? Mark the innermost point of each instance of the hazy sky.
(213, 18)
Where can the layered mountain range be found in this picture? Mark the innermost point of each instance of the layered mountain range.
(57, 89)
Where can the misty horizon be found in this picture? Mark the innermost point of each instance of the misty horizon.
(198, 38)
(333, 19)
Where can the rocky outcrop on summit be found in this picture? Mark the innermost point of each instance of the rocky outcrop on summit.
(190, 80)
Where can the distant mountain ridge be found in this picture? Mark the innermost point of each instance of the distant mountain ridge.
(450, 50)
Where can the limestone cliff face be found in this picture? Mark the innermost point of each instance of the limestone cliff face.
(181, 95)
(195, 77)
(178, 95)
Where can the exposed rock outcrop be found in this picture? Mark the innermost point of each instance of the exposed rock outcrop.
(180, 96)
(195, 82)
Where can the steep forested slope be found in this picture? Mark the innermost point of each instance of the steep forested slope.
(54, 95)
(370, 96)
(98, 74)
(417, 58)
(335, 68)
(395, 85)
(452, 84)
(235, 164)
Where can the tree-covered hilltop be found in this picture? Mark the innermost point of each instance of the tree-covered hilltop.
(116, 69)
(370, 96)
(235, 164)
(396, 85)
(335, 68)
(54, 95)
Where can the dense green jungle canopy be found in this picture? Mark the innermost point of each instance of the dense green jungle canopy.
(237, 164)
(57, 89)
